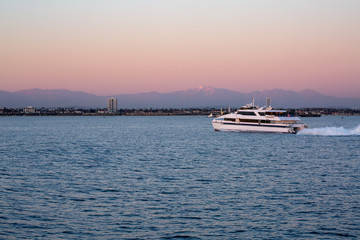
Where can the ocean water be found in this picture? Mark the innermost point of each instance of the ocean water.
(176, 178)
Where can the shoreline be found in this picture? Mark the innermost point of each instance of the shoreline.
(308, 112)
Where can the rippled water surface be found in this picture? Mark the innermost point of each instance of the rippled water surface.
(176, 178)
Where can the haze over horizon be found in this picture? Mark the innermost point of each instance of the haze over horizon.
(208, 89)
(136, 46)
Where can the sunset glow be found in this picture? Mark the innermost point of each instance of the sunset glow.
(114, 47)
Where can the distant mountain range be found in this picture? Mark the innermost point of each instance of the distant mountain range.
(196, 97)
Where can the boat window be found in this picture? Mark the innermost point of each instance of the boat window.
(265, 121)
(248, 113)
(261, 113)
(230, 119)
(278, 114)
(249, 120)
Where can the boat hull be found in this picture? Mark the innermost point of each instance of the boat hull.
(222, 126)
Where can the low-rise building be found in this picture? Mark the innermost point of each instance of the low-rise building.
(29, 110)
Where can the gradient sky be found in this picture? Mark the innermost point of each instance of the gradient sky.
(110, 47)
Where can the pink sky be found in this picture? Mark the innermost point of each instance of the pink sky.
(121, 47)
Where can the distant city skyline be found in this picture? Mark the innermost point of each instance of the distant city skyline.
(124, 47)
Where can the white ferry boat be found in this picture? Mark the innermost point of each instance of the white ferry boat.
(251, 118)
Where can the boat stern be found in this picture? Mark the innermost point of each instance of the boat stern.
(298, 127)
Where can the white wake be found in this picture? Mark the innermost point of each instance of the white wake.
(331, 131)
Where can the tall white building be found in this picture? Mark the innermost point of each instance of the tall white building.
(268, 102)
(112, 105)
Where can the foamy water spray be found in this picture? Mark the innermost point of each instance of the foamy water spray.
(331, 131)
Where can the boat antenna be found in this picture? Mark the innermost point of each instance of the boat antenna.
(253, 102)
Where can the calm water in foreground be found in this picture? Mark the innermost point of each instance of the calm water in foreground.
(176, 178)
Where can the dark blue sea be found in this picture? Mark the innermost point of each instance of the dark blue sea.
(176, 178)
